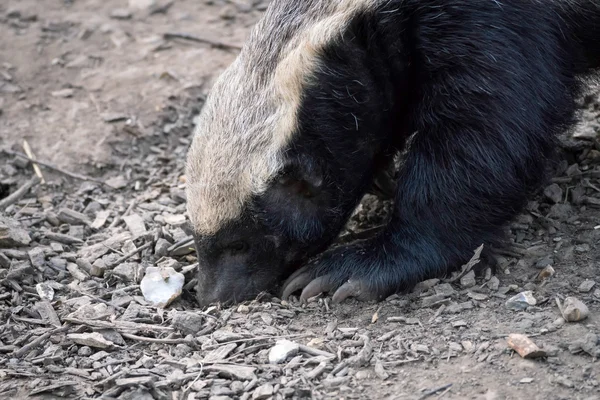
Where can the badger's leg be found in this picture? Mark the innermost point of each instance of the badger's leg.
(478, 153)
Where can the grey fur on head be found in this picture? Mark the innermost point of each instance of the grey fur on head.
(251, 113)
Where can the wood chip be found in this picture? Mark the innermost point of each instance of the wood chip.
(525, 346)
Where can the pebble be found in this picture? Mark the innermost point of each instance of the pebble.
(4, 261)
(282, 350)
(117, 182)
(524, 346)
(66, 93)
(573, 309)
(62, 238)
(161, 248)
(264, 391)
(13, 236)
(494, 283)
(161, 286)
(135, 224)
(546, 273)
(121, 13)
(188, 322)
(128, 271)
(554, 193)
(468, 280)
(586, 286)
(69, 216)
(432, 300)
(37, 258)
(521, 301)
(93, 339)
(57, 247)
(444, 289)
(45, 291)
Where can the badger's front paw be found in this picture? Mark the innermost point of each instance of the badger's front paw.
(351, 271)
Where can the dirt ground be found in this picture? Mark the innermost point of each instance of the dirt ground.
(109, 90)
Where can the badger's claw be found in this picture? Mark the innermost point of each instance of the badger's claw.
(343, 271)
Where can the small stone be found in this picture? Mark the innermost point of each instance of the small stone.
(524, 346)
(573, 310)
(11, 236)
(282, 350)
(161, 286)
(243, 309)
(546, 261)
(57, 247)
(546, 273)
(456, 308)
(93, 339)
(586, 286)
(564, 381)
(161, 248)
(521, 301)
(444, 289)
(188, 322)
(263, 392)
(425, 285)
(4, 261)
(69, 216)
(142, 4)
(45, 291)
(455, 347)
(431, 300)
(477, 296)
(63, 93)
(76, 231)
(135, 224)
(101, 218)
(117, 182)
(553, 193)
(467, 345)
(62, 238)
(220, 353)
(128, 272)
(459, 324)
(560, 212)
(58, 263)
(380, 370)
(239, 372)
(120, 13)
(526, 380)
(37, 258)
(169, 263)
(84, 351)
(468, 280)
(76, 272)
(493, 283)
(175, 220)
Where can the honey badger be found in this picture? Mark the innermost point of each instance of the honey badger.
(324, 93)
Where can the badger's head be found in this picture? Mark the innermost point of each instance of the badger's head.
(284, 148)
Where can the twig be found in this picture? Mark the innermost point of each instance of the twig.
(434, 391)
(214, 346)
(120, 326)
(156, 340)
(194, 38)
(20, 192)
(36, 168)
(55, 168)
(120, 217)
(129, 255)
(26, 348)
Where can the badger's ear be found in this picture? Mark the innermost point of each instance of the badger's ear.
(301, 177)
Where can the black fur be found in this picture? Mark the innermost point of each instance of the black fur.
(473, 92)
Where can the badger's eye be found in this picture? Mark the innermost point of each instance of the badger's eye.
(237, 247)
